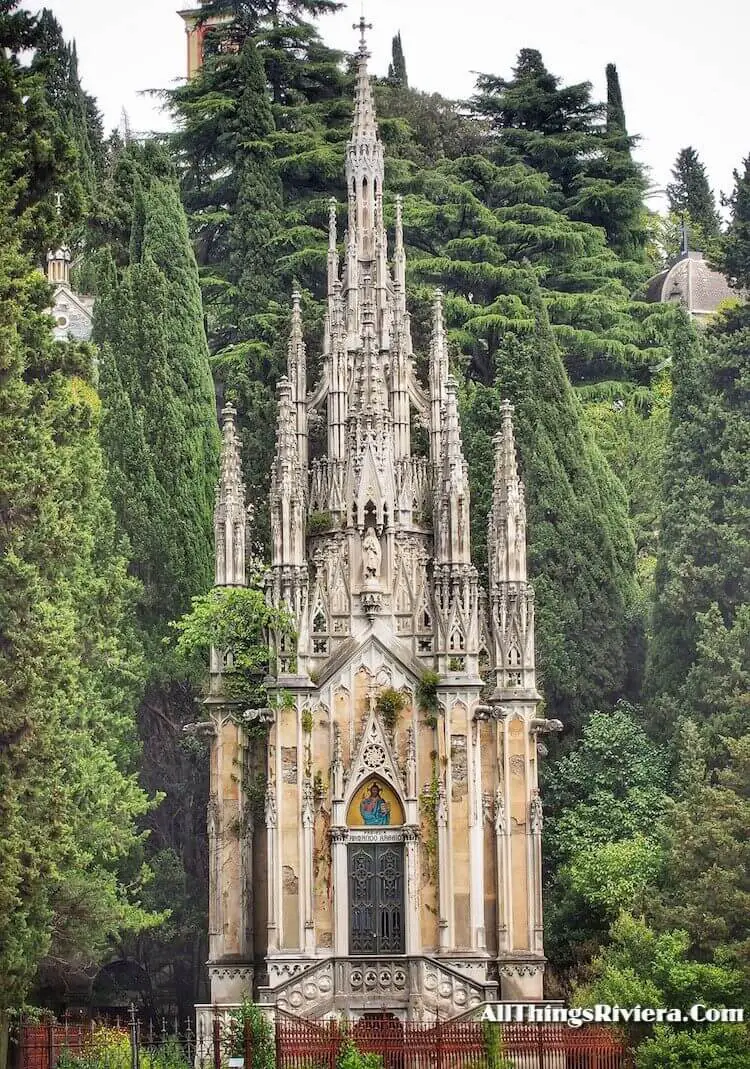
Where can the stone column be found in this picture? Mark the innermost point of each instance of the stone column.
(248, 910)
(536, 940)
(476, 842)
(411, 849)
(445, 902)
(306, 911)
(340, 892)
(271, 884)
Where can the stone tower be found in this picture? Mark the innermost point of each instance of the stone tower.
(397, 863)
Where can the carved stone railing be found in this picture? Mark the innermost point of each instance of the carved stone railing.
(420, 987)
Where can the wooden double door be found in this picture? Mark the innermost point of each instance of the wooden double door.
(376, 898)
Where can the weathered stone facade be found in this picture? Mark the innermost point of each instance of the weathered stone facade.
(397, 862)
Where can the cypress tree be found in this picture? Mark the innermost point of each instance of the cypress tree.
(397, 67)
(562, 132)
(704, 547)
(691, 198)
(69, 658)
(735, 255)
(581, 552)
(616, 123)
(162, 444)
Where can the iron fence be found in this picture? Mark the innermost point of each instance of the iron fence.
(133, 1043)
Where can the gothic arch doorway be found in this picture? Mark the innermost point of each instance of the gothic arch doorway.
(375, 870)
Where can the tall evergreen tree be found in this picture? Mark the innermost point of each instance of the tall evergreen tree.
(704, 548)
(561, 131)
(616, 122)
(70, 664)
(159, 427)
(735, 255)
(581, 552)
(691, 199)
(397, 67)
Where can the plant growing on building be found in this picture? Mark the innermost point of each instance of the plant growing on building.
(428, 802)
(319, 522)
(235, 619)
(427, 696)
(307, 721)
(390, 705)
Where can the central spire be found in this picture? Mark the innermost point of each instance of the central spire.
(364, 166)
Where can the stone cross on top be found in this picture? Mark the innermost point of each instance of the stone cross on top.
(362, 26)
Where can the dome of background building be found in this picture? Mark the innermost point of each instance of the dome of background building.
(692, 283)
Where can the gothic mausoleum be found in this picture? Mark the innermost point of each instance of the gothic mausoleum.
(396, 863)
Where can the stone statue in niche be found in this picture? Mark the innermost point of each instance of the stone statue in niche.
(372, 556)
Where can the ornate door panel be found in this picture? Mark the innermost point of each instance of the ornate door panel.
(376, 898)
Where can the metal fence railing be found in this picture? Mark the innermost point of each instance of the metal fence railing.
(298, 1043)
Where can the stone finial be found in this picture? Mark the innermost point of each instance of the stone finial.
(230, 513)
(364, 128)
(332, 234)
(506, 543)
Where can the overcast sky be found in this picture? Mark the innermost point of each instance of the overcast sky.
(683, 64)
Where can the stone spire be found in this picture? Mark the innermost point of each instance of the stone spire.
(452, 527)
(287, 495)
(511, 595)
(506, 542)
(456, 585)
(438, 377)
(364, 165)
(230, 530)
(288, 578)
(230, 516)
(399, 259)
(297, 375)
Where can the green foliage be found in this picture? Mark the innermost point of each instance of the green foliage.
(307, 721)
(159, 423)
(581, 552)
(643, 967)
(493, 1047)
(397, 67)
(427, 696)
(601, 836)
(237, 620)
(390, 704)
(318, 522)
(559, 130)
(70, 661)
(735, 254)
(692, 201)
(705, 888)
(616, 122)
(351, 1058)
(250, 1018)
(713, 1047)
(704, 546)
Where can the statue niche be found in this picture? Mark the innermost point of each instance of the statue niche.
(372, 558)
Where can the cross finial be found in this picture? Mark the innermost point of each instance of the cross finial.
(362, 26)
